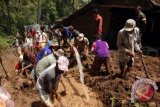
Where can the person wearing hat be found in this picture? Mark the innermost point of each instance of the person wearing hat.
(127, 44)
(48, 80)
(48, 60)
(44, 59)
(82, 45)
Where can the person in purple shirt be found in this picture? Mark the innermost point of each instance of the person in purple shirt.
(101, 50)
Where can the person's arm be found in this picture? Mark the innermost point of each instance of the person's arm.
(87, 44)
(107, 45)
(93, 47)
(136, 44)
(24, 68)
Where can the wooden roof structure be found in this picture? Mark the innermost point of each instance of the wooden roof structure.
(146, 4)
(115, 13)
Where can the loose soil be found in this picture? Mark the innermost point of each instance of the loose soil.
(101, 88)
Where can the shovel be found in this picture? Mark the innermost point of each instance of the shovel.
(146, 73)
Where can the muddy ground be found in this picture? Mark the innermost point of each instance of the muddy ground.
(101, 88)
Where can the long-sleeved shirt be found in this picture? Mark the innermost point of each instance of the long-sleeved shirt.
(44, 63)
(127, 42)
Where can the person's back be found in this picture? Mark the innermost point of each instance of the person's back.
(44, 52)
(44, 63)
(102, 49)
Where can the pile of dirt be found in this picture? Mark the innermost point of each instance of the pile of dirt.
(102, 88)
(110, 87)
(25, 96)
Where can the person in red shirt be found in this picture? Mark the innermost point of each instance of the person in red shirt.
(99, 22)
(33, 32)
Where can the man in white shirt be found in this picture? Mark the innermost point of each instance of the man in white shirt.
(127, 44)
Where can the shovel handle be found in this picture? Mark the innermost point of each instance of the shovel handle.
(146, 73)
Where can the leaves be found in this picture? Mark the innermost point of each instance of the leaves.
(14, 14)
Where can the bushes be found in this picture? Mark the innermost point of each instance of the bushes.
(4, 43)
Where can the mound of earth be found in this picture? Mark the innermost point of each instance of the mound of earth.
(101, 88)
(27, 97)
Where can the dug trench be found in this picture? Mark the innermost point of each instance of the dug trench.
(102, 88)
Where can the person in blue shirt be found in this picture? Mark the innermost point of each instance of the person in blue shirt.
(44, 52)
(67, 33)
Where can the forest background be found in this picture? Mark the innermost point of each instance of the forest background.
(15, 14)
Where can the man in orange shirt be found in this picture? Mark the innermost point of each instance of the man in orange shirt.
(99, 22)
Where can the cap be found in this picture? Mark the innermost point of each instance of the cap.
(130, 25)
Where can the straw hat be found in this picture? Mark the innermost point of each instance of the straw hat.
(130, 25)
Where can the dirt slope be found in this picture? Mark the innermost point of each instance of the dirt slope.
(75, 96)
(100, 88)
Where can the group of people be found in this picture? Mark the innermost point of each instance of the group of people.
(128, 41)
(43, 60)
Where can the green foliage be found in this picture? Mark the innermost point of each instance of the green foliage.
(49, 12)
(3, 43)
(14, 14)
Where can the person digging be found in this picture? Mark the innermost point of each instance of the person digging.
(127, 44)
(82, 45)
(101, 50)
(48, 80)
